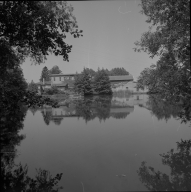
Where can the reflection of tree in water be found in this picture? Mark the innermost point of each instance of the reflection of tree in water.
(165, 109)
(120, 115)
(162, 109)
(47, 116)
(11, 124)
(185, 112)
(84, 108)
(92, 107)
(180, 165)
(33, 110)
(102, 105)
(57, 121)
(14, 177)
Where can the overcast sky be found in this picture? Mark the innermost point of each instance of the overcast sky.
(110, 29)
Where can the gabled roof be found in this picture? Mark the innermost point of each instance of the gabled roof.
(121, 78)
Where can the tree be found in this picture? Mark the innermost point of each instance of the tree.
(170, 41)
(55, 70)
(33, 87)
(32, 29)
(102, 84)
(53, 90)
(36, 28)
(83, 83)
(118, 71)
(45, 74)
(91, 72)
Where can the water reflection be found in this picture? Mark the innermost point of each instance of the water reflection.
(180, 167)
(14, 177)
(101, 107)
(105, 107)
(11, 123)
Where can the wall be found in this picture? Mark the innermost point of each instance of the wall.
(60, 79)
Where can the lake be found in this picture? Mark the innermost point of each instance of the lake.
(99, 143)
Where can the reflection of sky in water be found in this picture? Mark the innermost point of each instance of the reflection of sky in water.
(93, 153)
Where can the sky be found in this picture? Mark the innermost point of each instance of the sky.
(110, 29)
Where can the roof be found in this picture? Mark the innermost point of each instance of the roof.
(121, 78)
(61, 74)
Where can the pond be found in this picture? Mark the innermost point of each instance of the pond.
(119, 143)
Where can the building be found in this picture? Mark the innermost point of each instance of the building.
(66, 81)
(62, 81)
(120, 78)
(43, 85)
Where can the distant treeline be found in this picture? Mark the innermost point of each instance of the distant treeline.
(112, 72)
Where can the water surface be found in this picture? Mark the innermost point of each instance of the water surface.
(99, 144)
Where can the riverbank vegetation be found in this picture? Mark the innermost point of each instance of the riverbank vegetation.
(88, 85)
(27, 29)
(169, 39)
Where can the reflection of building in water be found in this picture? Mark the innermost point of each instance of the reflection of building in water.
(130, 100)
(130, 86)
(118, 108)
(120, 112)
(57, 114)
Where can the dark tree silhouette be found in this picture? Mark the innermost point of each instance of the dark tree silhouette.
(180, 165)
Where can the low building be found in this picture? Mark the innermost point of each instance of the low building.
(120, 78)
(63, 81)
(66, 81)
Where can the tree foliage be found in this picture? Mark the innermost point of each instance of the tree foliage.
(91, 72)
(180, 165)
(45, 74)
(83, 83)
(55, 70)
(36, 28)
(15, 178)
(53, 90)
(89, 82)
(170, 41)
(102, 84)
(33, 87)
(118, 71)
